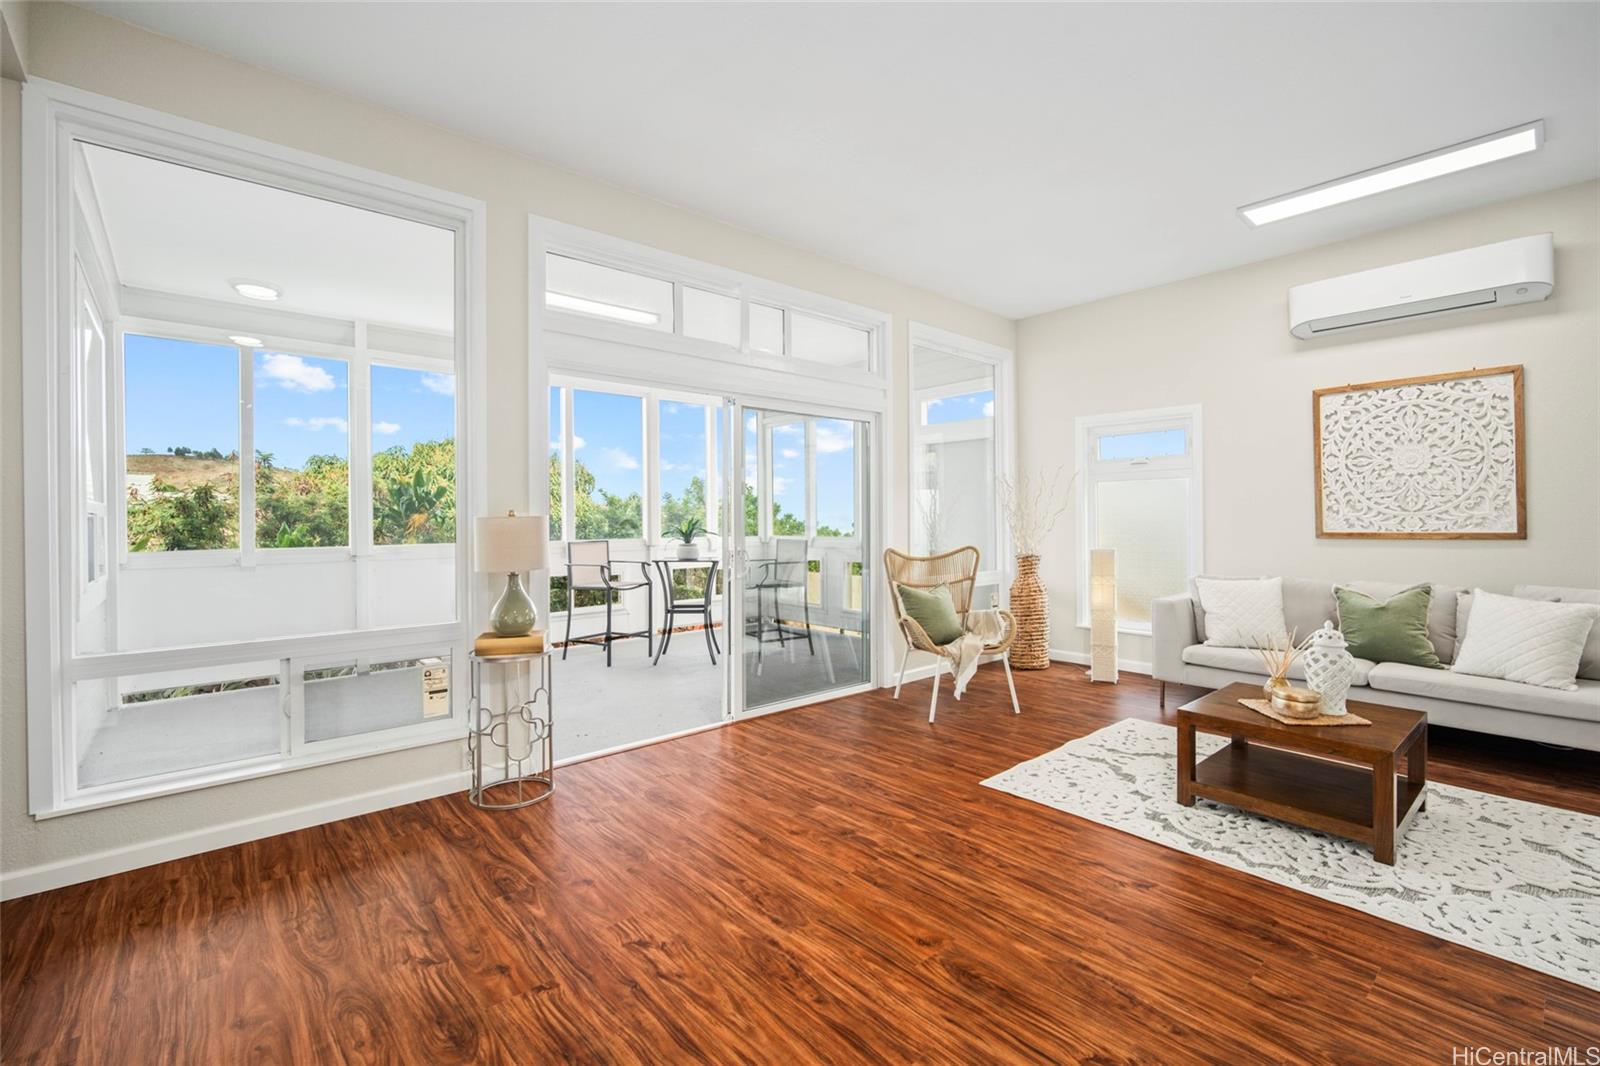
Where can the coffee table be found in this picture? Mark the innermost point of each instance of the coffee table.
(1336, 779)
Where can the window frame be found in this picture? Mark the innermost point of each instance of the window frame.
(1002, 366)
(1087, 429)
(55, 119)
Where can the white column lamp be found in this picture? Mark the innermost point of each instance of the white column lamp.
(511, 545)
(1103, 615)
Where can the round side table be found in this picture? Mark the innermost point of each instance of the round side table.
(513, 737)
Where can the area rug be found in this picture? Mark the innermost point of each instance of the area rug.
(1513, 879)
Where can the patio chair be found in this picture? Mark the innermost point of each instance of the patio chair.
(589, 570)
(958, 570)
(787, 569)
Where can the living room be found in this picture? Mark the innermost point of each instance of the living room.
(954, 532)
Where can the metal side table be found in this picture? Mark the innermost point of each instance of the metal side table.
(513, 737)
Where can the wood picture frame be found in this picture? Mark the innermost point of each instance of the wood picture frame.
(1408, 416)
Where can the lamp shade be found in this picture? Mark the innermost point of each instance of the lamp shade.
(510, 544)
(1103, 614)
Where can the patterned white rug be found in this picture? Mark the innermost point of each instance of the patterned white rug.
(1513, 879)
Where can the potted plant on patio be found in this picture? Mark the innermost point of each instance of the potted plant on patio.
(686, 533)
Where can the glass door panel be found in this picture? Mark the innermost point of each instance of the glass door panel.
(800, 610)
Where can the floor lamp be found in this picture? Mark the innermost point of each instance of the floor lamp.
(1103, 615)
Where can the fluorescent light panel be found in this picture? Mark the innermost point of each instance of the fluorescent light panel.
(597, 307)
(1495, 146)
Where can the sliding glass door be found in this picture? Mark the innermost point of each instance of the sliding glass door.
(799, 616)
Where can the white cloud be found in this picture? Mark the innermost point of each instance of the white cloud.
(831, 440)
(789, 429)
(789, 453)
(325, 423)
(780, 485)
(386, 428)
(988, 409)
(621, 459)
(293, 372)
(577, 442)
(443, 384)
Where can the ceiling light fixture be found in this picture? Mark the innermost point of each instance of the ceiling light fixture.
(596, 307)
(1475, 153)
(243, 341)
(255, 290)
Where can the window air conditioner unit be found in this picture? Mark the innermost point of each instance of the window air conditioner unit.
(1495, 275)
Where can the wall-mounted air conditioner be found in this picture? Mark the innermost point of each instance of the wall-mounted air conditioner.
(1495, 275)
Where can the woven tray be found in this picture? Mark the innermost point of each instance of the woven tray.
(1263, 707)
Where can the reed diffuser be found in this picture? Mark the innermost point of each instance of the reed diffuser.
(1278, 654)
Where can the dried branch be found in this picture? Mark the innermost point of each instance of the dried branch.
(1033, 505)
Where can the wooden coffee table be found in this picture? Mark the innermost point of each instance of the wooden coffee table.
(1337, 779)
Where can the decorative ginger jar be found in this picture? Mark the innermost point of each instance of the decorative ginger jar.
(1330, 668)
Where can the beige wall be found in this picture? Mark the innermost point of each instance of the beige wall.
(1222, 341)
(67, 44)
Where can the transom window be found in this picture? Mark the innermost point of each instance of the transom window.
(1141, 495)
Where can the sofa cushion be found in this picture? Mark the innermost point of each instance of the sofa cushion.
(1246, 661)
(1442, 630)
(1583, 703)
(1531, 641)
(1307, 603)
(1393, 630)
(1240, 612)
(1589, 665)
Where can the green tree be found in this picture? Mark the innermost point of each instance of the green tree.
(414, 494)
(172, 519)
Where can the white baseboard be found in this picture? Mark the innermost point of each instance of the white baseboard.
(1081, 658)
(45, 876)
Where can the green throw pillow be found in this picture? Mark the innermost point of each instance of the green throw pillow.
(1391, 631)
(934, 611)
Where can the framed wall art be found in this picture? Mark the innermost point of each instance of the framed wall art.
(1424, 458)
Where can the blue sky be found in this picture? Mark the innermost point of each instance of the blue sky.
(959, 408)
(186, 393)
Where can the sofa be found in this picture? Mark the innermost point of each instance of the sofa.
(1464, 701)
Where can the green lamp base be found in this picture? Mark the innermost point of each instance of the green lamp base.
(513, 614)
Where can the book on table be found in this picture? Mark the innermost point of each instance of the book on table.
(494, 644)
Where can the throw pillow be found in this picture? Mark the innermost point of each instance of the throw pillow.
(1242, 612)
(934, 611)
(1388, 631)
(1534, 642)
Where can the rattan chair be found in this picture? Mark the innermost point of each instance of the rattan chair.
(958, 570)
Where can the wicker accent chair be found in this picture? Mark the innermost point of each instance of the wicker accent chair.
(958, 570)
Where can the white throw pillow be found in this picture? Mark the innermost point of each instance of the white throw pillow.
(1530, 641)
(1242, 612)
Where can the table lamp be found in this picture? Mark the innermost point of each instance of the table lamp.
(510, 545)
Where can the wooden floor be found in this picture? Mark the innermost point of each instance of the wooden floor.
(823, 885)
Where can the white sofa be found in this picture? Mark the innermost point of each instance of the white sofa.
(1488, 705)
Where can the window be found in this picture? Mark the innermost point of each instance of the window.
(182, 458)
(1141, 496)
(607, 288)
(413, 428)
(685, 442)
(302, 441)
(607, 466)
(710, 316)
(958, 454)
(605, 292)
(766, 329)
(834, 442)
(787, 466)
(233, 477)
(822, 341)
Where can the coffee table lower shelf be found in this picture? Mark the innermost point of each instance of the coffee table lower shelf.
(1316, 793)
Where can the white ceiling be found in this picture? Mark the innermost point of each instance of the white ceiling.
(178, 230)
(1018, 157)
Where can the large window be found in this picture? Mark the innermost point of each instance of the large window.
(607, 466)
(958, 450)
(242, 464)
(1141, 496)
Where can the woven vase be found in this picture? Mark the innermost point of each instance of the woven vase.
(1030, 606)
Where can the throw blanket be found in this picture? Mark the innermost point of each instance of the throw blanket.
(983, 628)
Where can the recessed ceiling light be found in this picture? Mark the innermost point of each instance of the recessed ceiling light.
(1475, 153)
(243, 341)
(597, 307)
(255, 290)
